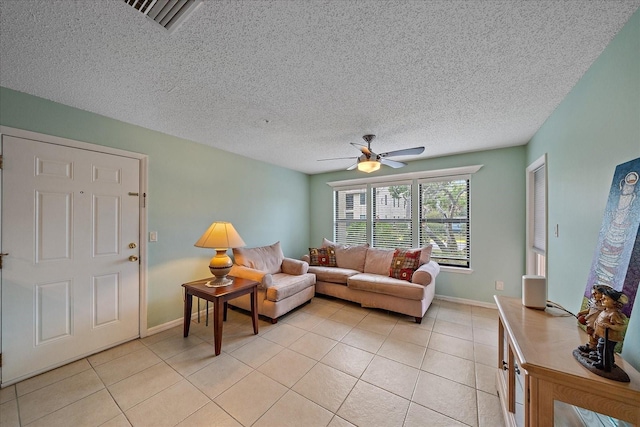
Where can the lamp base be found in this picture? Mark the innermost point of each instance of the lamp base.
(218, 282)
(220, 266)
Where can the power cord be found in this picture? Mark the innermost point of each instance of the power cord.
(552, 304)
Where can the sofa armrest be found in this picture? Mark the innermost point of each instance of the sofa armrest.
(426, 273)
(294, 267)
(265, 279)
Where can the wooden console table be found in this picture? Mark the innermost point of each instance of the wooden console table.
(219, 296)
(538, 344)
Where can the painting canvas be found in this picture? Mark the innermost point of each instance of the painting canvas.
(616, 262)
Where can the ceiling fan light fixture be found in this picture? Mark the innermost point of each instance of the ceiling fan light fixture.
(368, 166)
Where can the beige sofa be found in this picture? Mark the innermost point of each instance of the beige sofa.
(362, 274)
(285, 283)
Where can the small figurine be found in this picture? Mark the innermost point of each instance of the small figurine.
(588, 317)
(609, 327)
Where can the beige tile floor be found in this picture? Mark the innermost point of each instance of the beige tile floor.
(328, 363)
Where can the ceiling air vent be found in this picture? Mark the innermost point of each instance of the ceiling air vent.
(170, 14)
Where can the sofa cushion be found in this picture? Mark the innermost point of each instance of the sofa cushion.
(351, 257)
(264, 258)
(425, 255)
(323, 256)
(386, 285)
(347, 256)
(332, 274)
(404, 263)
(378, 261)
(285, 285)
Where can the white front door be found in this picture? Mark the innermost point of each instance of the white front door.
(70, 281)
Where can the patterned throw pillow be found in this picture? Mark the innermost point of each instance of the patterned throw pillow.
(404, 263)
(325, 257)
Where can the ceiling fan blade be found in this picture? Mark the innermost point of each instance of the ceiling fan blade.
(405, 152)
(363, 148)
(391, 163)
(353, 166)
(335, 158)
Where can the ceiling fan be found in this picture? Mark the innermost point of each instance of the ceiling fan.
(369, 161)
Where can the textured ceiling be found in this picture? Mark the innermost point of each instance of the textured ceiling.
(291, 82)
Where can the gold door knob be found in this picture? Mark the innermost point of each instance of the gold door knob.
(133, 258)
(132, 245)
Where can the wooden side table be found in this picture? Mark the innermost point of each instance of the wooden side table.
(539, 343)
(219, 297)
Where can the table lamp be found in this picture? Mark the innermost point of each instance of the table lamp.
(220, 236)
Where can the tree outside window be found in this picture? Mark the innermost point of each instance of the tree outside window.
(444, 220)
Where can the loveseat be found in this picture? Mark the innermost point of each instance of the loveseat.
(402, 281)
(285, 283)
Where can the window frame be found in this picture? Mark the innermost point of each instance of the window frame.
(536, 257)
(466, 178)
(413, 178)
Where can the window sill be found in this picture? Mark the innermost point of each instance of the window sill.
(458, 270)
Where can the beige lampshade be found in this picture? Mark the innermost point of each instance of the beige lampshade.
(368, 166)
(220, 235)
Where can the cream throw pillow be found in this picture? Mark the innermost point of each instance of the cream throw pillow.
(264, 258)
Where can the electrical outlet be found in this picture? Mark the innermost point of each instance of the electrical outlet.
(153, 236)
(499, 285)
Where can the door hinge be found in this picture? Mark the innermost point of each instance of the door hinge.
(1, 255)
(0, 161)
(144, 200)
(0, 360)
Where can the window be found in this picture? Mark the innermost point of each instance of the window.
(537, 217)
(425, 208)
(347, 229)
(392, 225)
(444, 220)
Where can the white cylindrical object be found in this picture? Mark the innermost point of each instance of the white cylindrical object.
(534, 292)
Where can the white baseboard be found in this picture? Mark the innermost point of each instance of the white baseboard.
(466, 301)
(180, 321)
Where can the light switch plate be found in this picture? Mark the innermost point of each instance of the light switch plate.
(153, 236)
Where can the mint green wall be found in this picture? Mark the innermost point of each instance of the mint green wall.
(497, 219)
(264, 202)
(595, 128)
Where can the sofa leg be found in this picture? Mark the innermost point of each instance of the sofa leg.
(274, 321)
(418, 320)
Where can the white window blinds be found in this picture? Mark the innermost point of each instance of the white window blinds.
(444, 220)
(408, 211)
(392, 225)
(350, 216)
(539, 210)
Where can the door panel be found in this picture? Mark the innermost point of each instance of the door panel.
(106, 294)
(106, 225)
(68, 287)
(53, 311)
(53, 226)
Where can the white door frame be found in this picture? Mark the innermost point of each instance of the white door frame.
(143, 158)
(530, 253)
